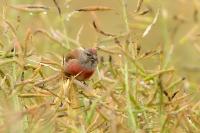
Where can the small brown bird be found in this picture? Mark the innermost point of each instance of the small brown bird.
(81, 63)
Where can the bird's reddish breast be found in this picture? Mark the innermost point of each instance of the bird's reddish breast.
(73, 67)
(86, 74)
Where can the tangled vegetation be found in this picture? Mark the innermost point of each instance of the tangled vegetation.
(147, 79)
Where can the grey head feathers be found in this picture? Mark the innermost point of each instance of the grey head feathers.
(88, 58)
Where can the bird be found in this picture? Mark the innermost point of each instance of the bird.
(81, 63)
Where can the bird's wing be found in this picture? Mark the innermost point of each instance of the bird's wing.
(72, 55)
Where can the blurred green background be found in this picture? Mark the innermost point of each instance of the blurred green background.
(50, 35)
(177, 25)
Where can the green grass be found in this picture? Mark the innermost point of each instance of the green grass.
(140, 86)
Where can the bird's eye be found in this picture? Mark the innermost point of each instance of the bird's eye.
(88, 54)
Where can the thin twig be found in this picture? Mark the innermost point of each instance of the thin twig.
(57, 6)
